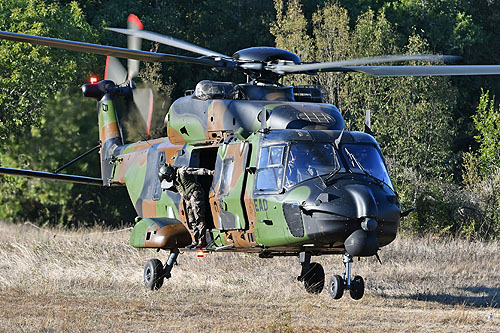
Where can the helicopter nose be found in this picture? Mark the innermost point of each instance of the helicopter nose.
(360, 217)
(363, 242)
(364, 200)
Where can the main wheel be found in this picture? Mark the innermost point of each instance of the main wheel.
(314, 278)
(153, 274)
(336, 287)
(357, 287)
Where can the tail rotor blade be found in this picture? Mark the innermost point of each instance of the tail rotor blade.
(115, 71)
(134, 43)
(143, 99)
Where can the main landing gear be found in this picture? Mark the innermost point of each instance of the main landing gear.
(313, 276)
(155, 272)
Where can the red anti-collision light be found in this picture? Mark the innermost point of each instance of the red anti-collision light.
(200, 253)
(93, 79)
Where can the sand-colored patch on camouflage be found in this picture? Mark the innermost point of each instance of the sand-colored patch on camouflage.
(109, 131)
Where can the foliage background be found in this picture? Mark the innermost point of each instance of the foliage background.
(440, 136)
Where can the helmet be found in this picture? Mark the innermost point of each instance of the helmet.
(167, 173)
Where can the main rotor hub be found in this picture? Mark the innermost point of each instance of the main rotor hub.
(265, 54)
(253, 60)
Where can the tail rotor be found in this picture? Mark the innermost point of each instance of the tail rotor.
(142, 97)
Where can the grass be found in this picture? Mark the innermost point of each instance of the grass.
(59, 280)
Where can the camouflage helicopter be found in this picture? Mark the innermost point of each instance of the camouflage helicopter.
(288, 179)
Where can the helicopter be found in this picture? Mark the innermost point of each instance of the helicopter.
(288, 178)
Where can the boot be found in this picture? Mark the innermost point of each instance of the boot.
(202, 243)
(192, 245)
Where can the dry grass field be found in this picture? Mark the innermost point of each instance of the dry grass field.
(56, 281)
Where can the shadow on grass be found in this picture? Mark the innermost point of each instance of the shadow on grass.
(479, 297)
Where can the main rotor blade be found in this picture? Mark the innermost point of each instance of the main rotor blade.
(425, 70)
(333, 66)
(107, 50)
(170, 41)
(52, 176)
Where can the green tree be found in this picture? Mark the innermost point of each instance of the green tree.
(32, 74)
(487, 121)
(482, 171)
(332, 40)
(290, 32)
(67, 129)
(456, 27)
(41, 131)
(372, 36)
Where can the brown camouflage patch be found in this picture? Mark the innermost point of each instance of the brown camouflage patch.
(149, 209)
(175, 137)
(216, 113)
(239, 153)
(276, 96)
(109, 131)
(169, 236)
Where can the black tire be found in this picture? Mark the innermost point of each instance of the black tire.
(314, 278)
(357, 287)
(336, 287)
(153, 274)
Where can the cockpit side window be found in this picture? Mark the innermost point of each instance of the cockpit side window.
(276, 155)
(270, 171)
(309, 160)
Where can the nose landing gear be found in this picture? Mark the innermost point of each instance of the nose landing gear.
(313, 276)
(338, 284)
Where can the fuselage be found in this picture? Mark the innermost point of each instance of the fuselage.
(292, 180)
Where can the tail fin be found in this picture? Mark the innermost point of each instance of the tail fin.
(109, 130)
(109, 136)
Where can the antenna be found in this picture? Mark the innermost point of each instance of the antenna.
(338, 139)
(263, 119)
(368, 128)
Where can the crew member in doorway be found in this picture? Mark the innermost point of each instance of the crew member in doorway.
(184, 180)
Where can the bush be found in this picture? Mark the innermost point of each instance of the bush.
(445, 208)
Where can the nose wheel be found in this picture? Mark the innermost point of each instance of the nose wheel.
(336, 287)
(338, 284)
(357, 289)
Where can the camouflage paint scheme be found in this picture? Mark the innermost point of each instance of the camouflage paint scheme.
(227, 136)
(194, 121)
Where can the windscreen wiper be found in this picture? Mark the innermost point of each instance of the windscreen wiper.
(330, 176)
(354, 161)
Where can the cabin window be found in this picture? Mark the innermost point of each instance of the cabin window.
(226, 176)
(270, 172)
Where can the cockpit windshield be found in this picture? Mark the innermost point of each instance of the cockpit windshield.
(286, 165)
(308, 160)
(365, 158)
